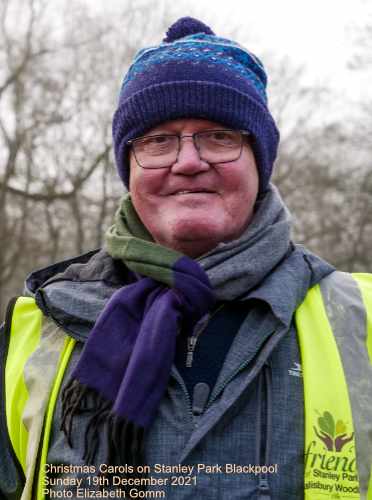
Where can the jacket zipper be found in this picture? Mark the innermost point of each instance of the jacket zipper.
(191, 344)
(264, 387)
(184, 389)
(233, 375)
(192, 340)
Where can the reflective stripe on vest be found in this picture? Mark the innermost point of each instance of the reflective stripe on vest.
(64, 360)
(333, 330)
(332, 390)
(24, 339)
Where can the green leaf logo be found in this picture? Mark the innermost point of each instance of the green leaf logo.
(340, 428)
(334, 436)
(327, 424)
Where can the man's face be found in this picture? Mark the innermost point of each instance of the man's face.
(193, 205)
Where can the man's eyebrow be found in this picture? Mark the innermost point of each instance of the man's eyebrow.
(162, 131)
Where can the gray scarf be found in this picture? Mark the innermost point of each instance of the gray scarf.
(236, 267)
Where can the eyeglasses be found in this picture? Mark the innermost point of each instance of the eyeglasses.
(213, 146)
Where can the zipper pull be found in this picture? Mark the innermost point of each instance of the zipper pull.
(200, 397)
(191, 341)
(263, 489)
(191, 344)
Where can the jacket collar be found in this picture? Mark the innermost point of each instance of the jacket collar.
(284, 289)
(74, 291)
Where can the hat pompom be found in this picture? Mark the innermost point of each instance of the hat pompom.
(186, 26)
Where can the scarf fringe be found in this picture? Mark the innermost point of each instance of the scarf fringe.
(125, 440)
(76, 400)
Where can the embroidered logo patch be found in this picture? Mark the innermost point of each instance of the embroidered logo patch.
(330, 459)
(333, 434)
(296, 370)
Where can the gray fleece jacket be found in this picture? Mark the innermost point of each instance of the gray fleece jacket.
(252, 416)
(217, 423)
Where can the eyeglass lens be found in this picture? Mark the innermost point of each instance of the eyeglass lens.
(214, 146)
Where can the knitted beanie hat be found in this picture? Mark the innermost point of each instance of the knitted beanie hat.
(195, 74)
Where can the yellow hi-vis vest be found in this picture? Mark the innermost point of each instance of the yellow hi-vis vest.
(334, 325)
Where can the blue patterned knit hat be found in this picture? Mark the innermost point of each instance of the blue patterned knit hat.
(195, 74)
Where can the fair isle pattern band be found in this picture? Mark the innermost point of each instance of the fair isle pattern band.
(202, 50)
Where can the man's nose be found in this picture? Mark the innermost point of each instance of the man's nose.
(188, 161)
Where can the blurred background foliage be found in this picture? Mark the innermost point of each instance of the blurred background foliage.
(60, 73)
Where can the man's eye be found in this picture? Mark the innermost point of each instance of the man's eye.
(158, 140)
(153, 143)
(221, 137)
(161, 139)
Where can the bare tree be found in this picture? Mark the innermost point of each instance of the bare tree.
(59, 80)
(59, 77)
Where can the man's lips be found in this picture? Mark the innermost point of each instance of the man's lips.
(192, 191)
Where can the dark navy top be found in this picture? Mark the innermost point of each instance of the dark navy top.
(219, 332)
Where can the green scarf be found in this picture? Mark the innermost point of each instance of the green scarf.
(129, 241)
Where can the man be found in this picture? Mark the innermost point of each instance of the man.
(201, 354)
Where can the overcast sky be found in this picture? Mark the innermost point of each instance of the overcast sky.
(321, 35)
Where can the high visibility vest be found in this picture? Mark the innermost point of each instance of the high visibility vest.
(334, 326)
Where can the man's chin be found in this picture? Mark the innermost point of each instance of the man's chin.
(196, 229)
(193, 238)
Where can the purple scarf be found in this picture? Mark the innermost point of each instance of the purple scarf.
(125, 365)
